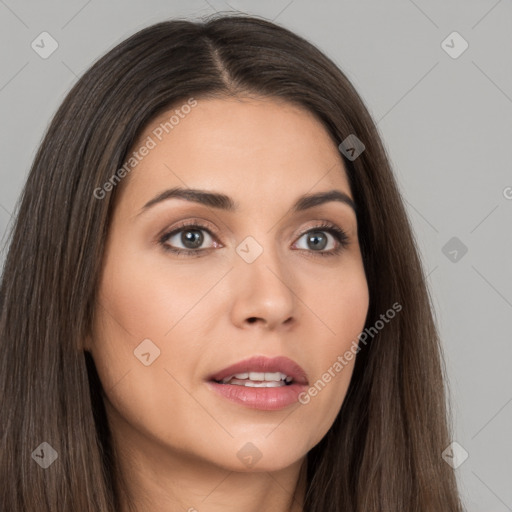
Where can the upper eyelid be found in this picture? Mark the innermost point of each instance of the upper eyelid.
(199, 224)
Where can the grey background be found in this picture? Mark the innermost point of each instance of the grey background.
(446, 124)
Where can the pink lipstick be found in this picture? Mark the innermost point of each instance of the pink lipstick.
(260, 382)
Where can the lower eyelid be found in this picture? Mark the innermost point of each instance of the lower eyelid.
(338, 234)
(164, 239)
(309, 232)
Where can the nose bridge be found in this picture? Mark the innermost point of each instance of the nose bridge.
(262, 281)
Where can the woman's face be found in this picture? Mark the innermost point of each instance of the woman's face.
(259, 279)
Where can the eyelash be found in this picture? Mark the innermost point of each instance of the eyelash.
(340, 236)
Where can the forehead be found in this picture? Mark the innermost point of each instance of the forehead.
(249, 148)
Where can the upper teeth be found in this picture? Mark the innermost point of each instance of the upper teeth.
(259, 376)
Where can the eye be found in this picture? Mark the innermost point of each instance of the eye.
(191, 238)
(316, 239)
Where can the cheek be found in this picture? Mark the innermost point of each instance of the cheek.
(350, 302)
(341, 302)
(140, 301)
(342, 308)
(142, 311)
(146, 299)
(133, 306)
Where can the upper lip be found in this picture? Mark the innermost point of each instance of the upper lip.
(264, 364)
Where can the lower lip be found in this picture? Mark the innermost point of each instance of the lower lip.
(266, 399)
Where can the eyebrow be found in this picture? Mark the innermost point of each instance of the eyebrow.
(224, 202)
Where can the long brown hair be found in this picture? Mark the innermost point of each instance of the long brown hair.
(383, 452)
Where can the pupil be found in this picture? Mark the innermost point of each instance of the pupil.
(192, 238)
(314, 240)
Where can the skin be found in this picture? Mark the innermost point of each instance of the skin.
(177, 440)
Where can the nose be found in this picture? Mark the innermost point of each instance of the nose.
(263, 293)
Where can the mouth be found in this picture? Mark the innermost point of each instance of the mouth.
(258, 379)
(261, 382)
(262, 371)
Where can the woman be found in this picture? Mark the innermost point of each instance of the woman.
(212, 298)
